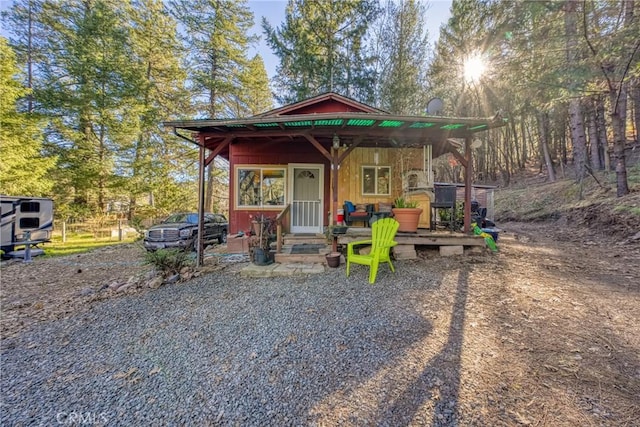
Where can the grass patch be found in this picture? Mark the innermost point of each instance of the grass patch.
(79, 243)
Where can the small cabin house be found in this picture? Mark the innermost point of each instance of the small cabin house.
(302, 161)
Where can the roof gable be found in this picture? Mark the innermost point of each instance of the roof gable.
(329, 102)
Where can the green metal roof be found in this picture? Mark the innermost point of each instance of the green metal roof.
(426, 125)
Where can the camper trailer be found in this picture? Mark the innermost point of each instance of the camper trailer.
(24, 218)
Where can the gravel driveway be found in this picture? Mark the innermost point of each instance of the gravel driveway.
(253, 352)
(529, 336)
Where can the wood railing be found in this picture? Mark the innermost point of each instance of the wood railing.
(279, 219)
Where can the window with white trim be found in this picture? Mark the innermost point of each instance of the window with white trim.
(260, 187)
(376, 180)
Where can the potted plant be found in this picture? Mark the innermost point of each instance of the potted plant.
(333, 259)
(407, 213)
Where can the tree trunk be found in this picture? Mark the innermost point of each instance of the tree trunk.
(576, 122)
(618, 104)
(543, 124)
(208, 197)
(635, 96)
(601, 124)
(594, 147)
(523, 130)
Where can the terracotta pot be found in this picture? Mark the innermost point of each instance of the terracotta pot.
(408, 218)
(333, 259)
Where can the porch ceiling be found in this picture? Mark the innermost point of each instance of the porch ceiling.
(381, 130)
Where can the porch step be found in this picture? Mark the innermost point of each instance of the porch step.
(296, 239)
(283, 258)
(304, 252)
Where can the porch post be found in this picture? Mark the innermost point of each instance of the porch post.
(468, 172)
(334, 191)
(200, 246)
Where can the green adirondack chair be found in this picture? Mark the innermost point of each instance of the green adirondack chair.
(382, 233)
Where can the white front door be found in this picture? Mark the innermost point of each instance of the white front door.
(306, 198)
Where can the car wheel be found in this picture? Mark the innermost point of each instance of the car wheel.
(223, 237)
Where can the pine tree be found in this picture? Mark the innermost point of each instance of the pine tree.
(218, 33)
(321, 49)
(150, 153)
(23, 169)
(403, 57)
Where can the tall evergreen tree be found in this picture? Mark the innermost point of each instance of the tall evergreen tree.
(218, 33)
(403, 57)
(84, 81)
(321, 48)
(256, 97)
(152, 155)
(23, 169)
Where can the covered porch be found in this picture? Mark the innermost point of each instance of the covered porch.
(325, 133)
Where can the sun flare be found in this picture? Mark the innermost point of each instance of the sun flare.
(474, 68)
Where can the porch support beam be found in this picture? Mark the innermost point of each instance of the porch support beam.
(318, 146)
(200, 241)
(349, 150)
(217, 150)
(459, 157)
(468, 173)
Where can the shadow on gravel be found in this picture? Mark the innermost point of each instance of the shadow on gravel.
(440, 379)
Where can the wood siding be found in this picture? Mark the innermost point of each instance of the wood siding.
(270, 153)
(350, 174)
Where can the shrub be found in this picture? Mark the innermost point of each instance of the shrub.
(168, 261)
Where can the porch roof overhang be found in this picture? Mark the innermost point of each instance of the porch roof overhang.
(370, 129)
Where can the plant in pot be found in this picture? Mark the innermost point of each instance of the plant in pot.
(407, 213)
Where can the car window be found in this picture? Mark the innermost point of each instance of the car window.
(182, 217)
(221, 218)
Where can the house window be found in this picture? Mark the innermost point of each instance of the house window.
(260, 187)
(375, 180)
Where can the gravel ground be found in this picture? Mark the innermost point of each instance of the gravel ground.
(523, 337)
(252, 352)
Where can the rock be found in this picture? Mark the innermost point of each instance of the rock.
(86, 291)
(115, 285)
(186, 275)
(128, 285)
(155, 282)
(173, 279)
(185, 270)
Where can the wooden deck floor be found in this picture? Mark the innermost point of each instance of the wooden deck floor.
(422, 237)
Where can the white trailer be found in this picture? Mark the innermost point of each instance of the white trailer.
(24, 218)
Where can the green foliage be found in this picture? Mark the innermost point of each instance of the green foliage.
(402, 56)
(445, 214)
(168, 261)
(401, 202)
(321, 49)
(217, 34)
(23, 169)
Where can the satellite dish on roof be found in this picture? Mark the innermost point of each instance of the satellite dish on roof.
(434, 106)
